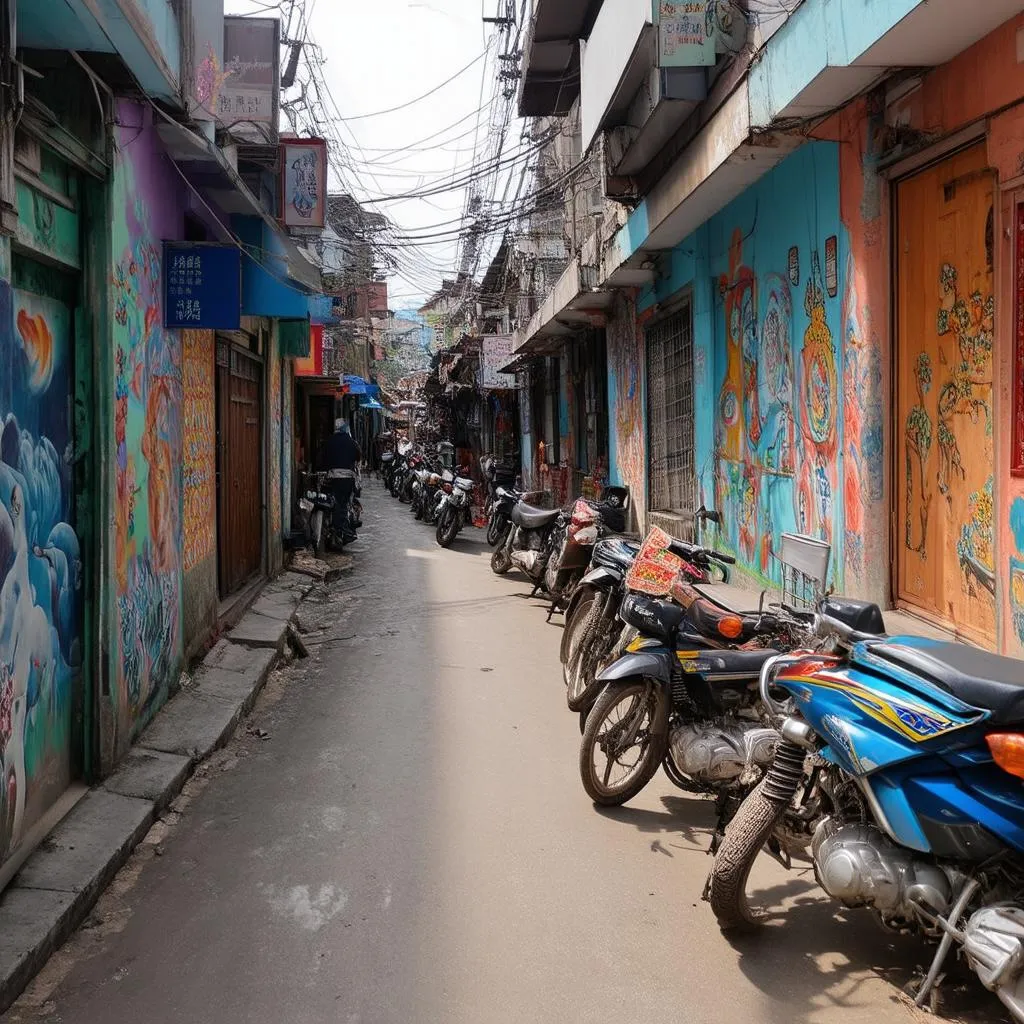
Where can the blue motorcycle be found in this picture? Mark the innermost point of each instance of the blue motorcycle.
(900, 773)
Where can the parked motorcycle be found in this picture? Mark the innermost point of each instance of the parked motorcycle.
(530, 541)
(317, 505)
(500, 480)
(570, 558)
(387, 467)
(500, 517)
(592, 620)
(684, 695)
(900, 769)
(454, 510)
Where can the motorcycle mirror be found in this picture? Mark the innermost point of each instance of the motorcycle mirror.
(713, 517)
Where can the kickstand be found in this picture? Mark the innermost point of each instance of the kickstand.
(950, 932)
(552, 610)
(776, 852)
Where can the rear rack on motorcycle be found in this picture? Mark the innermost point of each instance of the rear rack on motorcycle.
(803, 564)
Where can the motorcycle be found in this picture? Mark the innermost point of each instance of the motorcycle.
(530, 540)
(400, 468)
(684, 695)
(592, 620)
(387, 467)
(454, 510)
(500, 480)
(900, 769)
(570, 558)
(317, 506)
(500, 518)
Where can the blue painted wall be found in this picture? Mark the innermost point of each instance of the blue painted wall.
(767, 310)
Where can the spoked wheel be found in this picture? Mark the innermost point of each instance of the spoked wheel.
(572, 635)
(624, 742)
(417, 508)
(447, 529)
(495, 529)
(583, 686)
(501, 560)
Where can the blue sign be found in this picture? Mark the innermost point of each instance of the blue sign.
(202, 285)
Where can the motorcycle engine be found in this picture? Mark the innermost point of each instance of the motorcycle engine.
(719, 753)
(994, 943)
(859, 866)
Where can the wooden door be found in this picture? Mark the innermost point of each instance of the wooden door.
(945, 308)
(239, 477)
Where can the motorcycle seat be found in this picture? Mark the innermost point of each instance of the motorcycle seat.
(976, 677)
(705, 617)
(529, 517)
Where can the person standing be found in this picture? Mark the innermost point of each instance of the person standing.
(343, 457)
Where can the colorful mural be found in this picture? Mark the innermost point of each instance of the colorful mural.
(199, 447)
(626, 402)
(40, 559)
(1017, 568)
(147, 429)
(287, 391)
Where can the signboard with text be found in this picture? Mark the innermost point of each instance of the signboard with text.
(202, 285)
(496, 353)
(686, 33)
(249, 98)
(303, 183)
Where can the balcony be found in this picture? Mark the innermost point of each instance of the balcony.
(550, 83)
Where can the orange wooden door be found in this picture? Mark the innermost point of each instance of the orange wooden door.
(945, 564)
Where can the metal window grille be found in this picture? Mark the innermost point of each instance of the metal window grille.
(672, 471)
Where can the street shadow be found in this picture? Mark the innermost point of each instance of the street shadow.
(691, 822)
(812, 952)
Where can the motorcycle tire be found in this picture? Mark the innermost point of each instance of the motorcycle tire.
(744, 837)
(417, 510)
(573, 622)
(501, 561)
(583, 686)
(447, 529)
(316, 532)
(495, 530)
(652, 755)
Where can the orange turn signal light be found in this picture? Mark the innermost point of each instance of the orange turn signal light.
(1007, 751)
(730, 626)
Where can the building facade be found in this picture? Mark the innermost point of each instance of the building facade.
(808, 274)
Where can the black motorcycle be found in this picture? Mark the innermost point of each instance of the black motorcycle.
(316, 505)
(500, 480)
(530, 540)
(683, 695)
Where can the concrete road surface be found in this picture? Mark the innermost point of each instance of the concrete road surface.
(410, 844)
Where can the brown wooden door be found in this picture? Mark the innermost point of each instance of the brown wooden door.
(945, 564)
(239, 478)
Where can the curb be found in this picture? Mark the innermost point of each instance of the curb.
(61, 881)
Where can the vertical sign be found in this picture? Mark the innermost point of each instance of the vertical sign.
(250, 95)
(202, 285)
(303, 183)
(1017, 451)
(686, 33)
(206, 72)
(495, 353)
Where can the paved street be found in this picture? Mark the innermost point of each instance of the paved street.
(409, 843)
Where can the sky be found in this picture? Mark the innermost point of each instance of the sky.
(379, 54)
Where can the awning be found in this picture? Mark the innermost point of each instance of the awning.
(369, 402)
(356, 385)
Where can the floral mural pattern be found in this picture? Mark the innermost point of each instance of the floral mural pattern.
(199, 440)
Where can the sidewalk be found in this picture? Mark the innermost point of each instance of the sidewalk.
(62, 879)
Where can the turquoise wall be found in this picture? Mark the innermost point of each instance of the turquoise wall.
(766, 282)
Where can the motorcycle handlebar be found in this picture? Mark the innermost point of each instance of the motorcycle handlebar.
(689, 553)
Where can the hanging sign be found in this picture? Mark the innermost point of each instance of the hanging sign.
(202, 285)
(496, 353)
(303, 183)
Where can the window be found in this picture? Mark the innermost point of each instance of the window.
(672, 471)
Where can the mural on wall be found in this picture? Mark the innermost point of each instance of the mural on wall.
(147, 434)
(625, 360)
(275, 441)
(199, 443)
(1017, 568)
(40, 560)
(862, 424)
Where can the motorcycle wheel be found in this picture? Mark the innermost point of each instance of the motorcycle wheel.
(571, 633)
(495, 529)
(316, 532)
(583, 686)
(501, 560)
(447, 528)
(417, 509)
(611, 719)
(746, 834)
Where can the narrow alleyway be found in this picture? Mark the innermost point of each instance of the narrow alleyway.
(410, 844)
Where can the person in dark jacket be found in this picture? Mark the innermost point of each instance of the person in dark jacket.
(341, 460)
